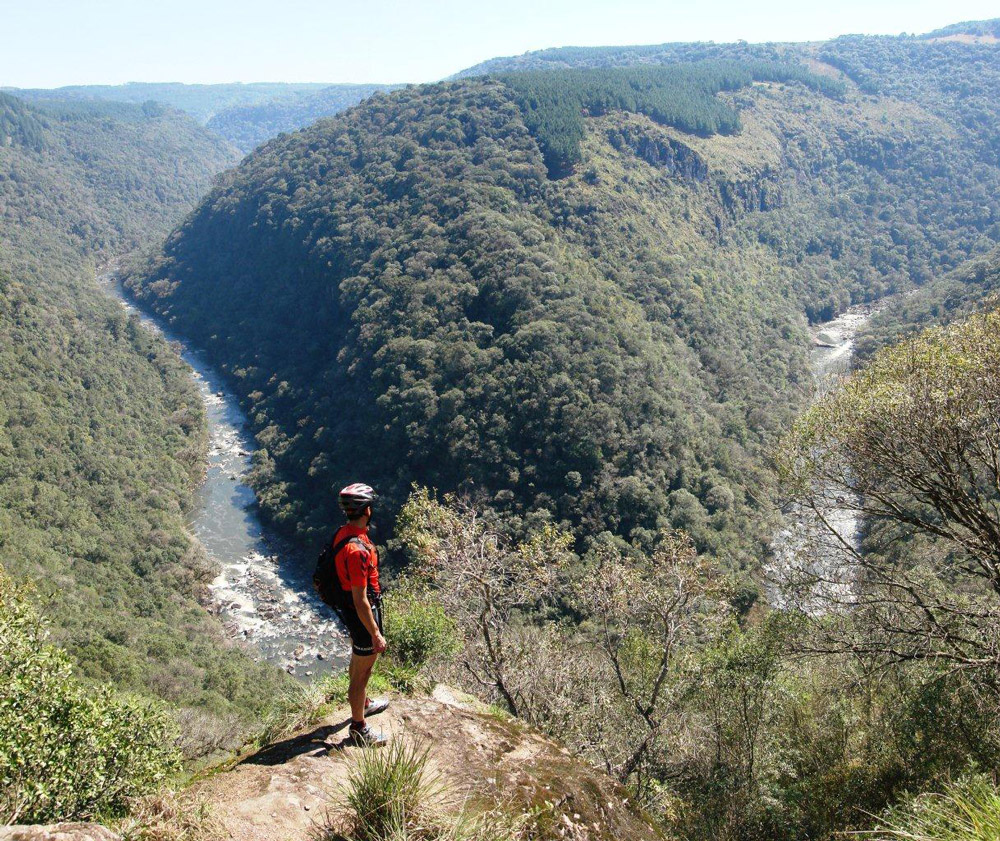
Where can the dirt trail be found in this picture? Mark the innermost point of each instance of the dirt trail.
(289, 789)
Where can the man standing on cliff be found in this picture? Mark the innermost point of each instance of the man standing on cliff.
(360, 607)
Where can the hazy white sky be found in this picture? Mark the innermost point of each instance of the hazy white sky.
(46, 43)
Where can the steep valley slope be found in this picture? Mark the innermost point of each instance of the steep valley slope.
(405, 291)
(101, 431)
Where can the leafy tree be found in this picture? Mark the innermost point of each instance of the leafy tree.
(911, 444)
(649, 612)
(483, 582)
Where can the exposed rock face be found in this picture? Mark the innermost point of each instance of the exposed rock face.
(58, 832)
(760, 193)
(661, 151)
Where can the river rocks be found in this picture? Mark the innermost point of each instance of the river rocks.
(58, 832)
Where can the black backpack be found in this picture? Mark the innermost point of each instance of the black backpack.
(325, 579)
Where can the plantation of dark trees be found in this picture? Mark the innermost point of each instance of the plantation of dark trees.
(683, 95)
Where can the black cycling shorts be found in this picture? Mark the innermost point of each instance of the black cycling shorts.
(361, 640)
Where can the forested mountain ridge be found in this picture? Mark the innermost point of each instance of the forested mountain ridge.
(984, 29)
(611, 346)
(72, 181)
(247, 126)
(101, 430)
(969, 32)
(953, 297)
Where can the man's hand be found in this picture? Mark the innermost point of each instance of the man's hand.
(379, 642)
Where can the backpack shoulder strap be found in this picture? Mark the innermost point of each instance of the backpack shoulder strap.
(340, 544)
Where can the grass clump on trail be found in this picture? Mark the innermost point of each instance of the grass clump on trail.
(391, 793)
(967, 810)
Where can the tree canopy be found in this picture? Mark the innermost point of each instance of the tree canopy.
(611, 350)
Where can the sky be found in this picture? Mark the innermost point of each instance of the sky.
(48, 43)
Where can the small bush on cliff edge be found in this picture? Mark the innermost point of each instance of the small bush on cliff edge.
(66, 750)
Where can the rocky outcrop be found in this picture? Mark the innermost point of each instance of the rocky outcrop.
(58, 832)
(289, 789)
(760, 193)
(659, 150)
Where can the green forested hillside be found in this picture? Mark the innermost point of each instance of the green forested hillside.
(244, 115)
(247, 126)
(561, 58)
(404, 292)
(976, 28)
(956, 295)
(101, 430)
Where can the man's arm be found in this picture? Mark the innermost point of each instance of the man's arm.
(364, 609)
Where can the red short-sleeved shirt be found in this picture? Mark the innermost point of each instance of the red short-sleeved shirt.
(357, 566)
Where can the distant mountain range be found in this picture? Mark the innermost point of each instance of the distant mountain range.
(625, 56)
(200, 101)
(244, 114)
(248, 126)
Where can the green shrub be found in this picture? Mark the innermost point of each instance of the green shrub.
(418, 629)
(67, 751)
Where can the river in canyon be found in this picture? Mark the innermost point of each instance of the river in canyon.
(804, 552)
(263, 592)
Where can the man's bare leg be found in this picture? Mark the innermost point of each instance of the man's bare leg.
(360, 670)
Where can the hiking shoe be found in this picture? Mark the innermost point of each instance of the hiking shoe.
(374, 706)
(368, 737)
